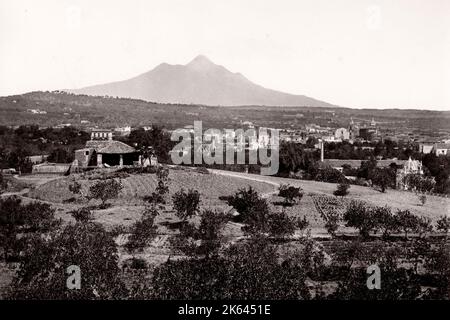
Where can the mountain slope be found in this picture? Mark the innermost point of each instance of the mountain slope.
(199, 82)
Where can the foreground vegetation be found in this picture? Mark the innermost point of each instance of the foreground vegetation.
(276, 256)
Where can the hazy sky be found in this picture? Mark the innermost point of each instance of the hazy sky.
(353, 53)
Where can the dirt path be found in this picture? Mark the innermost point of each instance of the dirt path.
(250, 177)
(15, 193)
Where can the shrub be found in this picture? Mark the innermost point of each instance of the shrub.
(82, 215)
(201, 170)
(43, 274)
(443, 224)
(290, 194)
(187, 203)
(342, 190)
(419, 183)
(330, 175)
(332, 224)
(75, 187)
(301, 223)
(422, 199)
(137, 263)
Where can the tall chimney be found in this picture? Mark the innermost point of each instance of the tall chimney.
(321, 150)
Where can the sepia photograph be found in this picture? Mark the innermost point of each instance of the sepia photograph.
(224, 156)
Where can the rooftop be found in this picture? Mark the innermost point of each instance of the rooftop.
(110, 146)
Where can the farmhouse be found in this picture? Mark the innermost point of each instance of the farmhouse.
(103, 151)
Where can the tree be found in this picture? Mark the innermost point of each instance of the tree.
(142, 231)
(162, 188)
(60, 155)
(249, 270)
(406, 221)
(311, 142)
(186, 204)
(280, 225)
(105, 190)
(384, 220)
(11, 220)
(43, 269)
(366, 168)
(257, 218)
(342, 189)
(3, 183)
(156, 138)
(162, 175)
(245, 201)
(358, 215)
(382, 178)
(423, 226)
(16, 218)
(203, 240)
(290, 194)
(257, 271)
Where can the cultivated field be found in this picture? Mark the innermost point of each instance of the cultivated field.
(318, 197)
(433, 209)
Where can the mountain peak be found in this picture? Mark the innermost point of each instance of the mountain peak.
(200, 81)
(200, 61)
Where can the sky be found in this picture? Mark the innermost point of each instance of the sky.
(352, 53)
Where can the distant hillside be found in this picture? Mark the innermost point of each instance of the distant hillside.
(199, 82)
(64, 108)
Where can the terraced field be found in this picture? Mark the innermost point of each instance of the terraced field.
(137, 186)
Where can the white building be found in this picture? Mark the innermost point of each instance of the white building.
(441, 149)
(342, 134)
(426, 148)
